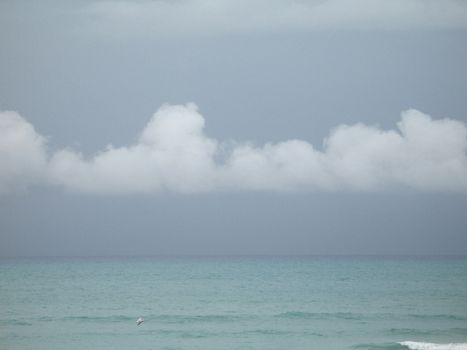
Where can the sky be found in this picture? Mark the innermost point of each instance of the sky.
(233, 127)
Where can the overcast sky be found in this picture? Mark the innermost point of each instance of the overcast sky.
(233, 127)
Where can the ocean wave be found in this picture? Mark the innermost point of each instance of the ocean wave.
(194, 318)
(219, 333)
(367, 317)
(264, 332)
(413, 345)
(320, 315)
(165, 318)
(15, 322)
(112, 318)
(440, 316)
(386, 346)
(426, 332)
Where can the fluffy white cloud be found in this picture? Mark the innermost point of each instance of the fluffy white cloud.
(425, 154)
(172, 153)
(201, 17)
(22, 153)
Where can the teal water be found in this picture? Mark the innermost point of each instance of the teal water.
(233, 303)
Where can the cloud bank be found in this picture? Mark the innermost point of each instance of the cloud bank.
(172, 153)
(199, 17)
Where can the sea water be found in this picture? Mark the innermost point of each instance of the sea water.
(313, 303)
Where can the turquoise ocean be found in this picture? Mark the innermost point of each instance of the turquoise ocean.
(204, 303)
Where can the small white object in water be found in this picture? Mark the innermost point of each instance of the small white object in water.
(139, 321)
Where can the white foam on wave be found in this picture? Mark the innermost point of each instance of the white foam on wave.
(432, 346)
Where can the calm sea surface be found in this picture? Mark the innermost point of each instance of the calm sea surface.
(233, 303)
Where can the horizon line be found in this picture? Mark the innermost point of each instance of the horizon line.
(247, 255)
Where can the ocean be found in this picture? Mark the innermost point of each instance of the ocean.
(207, 303)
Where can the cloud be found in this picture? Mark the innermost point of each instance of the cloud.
(22, 153)
(167, 18)
(172, 153)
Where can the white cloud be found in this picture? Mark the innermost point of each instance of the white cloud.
(173, 154)
(22, 153)
(425, 154)
(167, 18)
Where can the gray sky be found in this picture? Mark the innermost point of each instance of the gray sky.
(246, 127)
